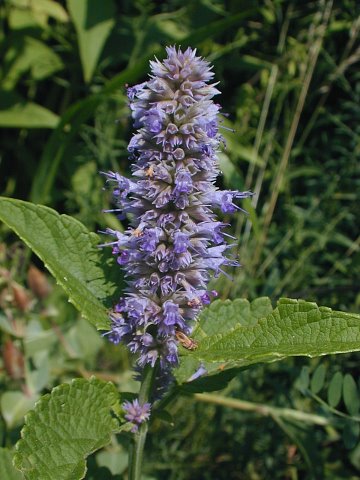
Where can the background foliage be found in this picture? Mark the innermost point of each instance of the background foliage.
(291, 90)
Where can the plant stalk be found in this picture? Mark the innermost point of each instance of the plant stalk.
(138, 442)
(263, 409)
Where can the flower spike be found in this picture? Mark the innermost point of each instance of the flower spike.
(175, 241)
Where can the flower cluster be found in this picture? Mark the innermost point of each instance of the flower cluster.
(136, 413)
(175, 242)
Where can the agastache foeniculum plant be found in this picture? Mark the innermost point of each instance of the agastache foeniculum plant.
(176, 242)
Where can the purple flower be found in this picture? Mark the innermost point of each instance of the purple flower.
(153, 120)
(175, 242)
(183, 182)
(150, 239)
(133, 91)
(181, 242)
(200, 372)
(136, 413)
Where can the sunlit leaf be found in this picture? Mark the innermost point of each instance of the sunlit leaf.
(70, 253)
(42, 9)
(64, 428)
(238, 334)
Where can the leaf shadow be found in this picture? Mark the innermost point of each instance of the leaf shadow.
(112, 279)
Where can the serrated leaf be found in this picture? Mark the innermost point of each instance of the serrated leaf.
(222, 316)
(351, 395)
(70, 253)
(335, 389)
(318, 379)
(7, 470)
(64, 428)
(238, 334)
(93, 26)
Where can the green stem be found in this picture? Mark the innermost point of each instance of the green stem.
(138, 441)
(262, 409)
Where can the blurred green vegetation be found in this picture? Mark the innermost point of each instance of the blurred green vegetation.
(290, 81)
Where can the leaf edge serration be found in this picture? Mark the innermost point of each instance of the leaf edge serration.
(31, 429)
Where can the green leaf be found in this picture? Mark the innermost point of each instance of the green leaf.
(302, 382)
(229, 171)
(42, 9)
(19, 18)
(335, 389)
(93, 26)
(38, 340)
(351, 395)
(210, 383)
(7, 326)
(64, 428)
(24, 14)
(351, 434)
(7, 470)
(57, 148)
(223, 316)
(238, 334)
(70, 253)
(34, 56)
(355, 456)
(84, 340)
(217, 27)
(14, 405)
(115, 460)
(15, 112)
(318, 379)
